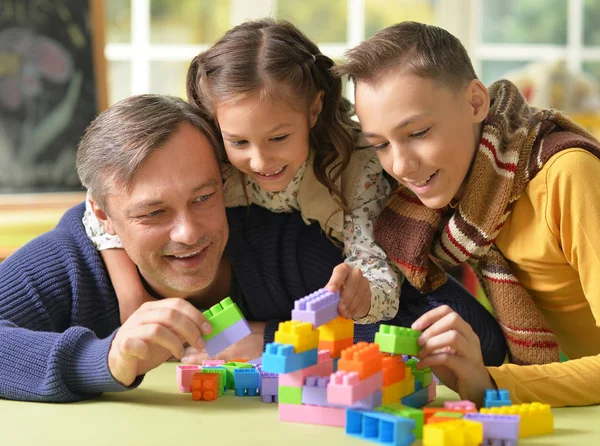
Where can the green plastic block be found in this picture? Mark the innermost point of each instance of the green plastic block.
(222, 315)
(290, 395)
(449, 414)
(427, 377)
(230, 367)
(400, 410)
(398, 340)
(222, 376)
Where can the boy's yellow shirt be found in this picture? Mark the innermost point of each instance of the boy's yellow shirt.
(552, 242)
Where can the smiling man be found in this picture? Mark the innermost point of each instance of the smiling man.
(151, 169)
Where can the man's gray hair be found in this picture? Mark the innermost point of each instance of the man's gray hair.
(118, 141)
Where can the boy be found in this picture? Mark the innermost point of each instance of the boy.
(487, 180)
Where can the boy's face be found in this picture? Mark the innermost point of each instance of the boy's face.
(425, 134)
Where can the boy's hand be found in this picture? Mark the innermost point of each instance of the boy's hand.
(152, 334)
(452, 350)
(130, 304)
(355, 291)
(251, 347)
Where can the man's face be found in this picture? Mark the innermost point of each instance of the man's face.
(172, 222)
(425, 134)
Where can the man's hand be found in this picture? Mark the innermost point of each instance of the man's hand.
(355, 291)
(250, 347)
(152, 334)
(452, 349)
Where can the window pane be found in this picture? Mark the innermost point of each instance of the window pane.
(524, 21)
(380, 14)
(493, 70)
(168, 78)
(593, 69)
(188, 21)
(117, 15)
(119, 81)
(591, 27)
(323, 22)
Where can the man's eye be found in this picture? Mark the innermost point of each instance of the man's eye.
(153, 213)
(203, 198)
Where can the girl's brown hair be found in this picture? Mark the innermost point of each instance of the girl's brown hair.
(276, 58)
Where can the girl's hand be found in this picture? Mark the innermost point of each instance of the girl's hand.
(354, 289)
(453, 352)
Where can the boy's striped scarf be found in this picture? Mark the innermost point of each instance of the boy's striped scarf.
(516, 142)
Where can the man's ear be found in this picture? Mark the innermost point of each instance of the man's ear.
(479, 100)
(316, 108)
(102, 217)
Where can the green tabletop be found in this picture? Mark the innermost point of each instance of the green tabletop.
(156, 414)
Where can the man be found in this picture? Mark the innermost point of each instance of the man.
(150, 166)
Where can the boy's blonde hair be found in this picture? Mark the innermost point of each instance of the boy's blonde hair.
(411, 47)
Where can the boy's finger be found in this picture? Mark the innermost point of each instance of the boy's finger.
(430, 317)
(449, 339)
(451, 321)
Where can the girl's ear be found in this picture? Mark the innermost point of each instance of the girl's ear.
(479, 100)
(316, 108)
(101, 216)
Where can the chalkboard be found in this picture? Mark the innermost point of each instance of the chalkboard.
(52, 84)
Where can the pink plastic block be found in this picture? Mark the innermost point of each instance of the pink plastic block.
(184, 376)
(460, 405)
(432, 392)
(297, 378)
(327, 416)
(212, 362)
(346, 387)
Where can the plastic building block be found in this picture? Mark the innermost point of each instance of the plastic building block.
(336, 347)
(398, 340)
(408, 383)
(269, 387)
(221, 316)
(318, 308)
(380, 427)
(366, 359)
(327, 416)
(297, 379)
(417, 399)
(290, 395)
(212, 362)
(222, 372)
(407, 412)
(227, 337)
(314, 391)
(453, 433)
(246, 382)
(184, 377)
(446, 414)
(464, 404)
(393, 370)
(230, 367)
(336, 330)
(431, 392)
(301, 335)
(429, 412)
(205, 386)
(536, 418)
(257, 361)
(346, 388)
(496, 398)
(418, 385)
(282, 359)
(427, 377)
(502, 429)
(392, 393)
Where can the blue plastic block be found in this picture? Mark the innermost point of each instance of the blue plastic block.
(246, 382)
(280, 358)
(380, 427)
(418, 385)
(417, 399)
(335, 364)
(497, 398)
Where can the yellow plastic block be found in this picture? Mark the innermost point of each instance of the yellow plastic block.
(301, 335)
(393, 393)
(337, 329)
(453, 433)
(408, 383)
(535, 418)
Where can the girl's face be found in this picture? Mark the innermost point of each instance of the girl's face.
(266, 140)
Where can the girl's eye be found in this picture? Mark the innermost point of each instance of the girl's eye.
(280, 138)
(419, 134)
(381, 146)
(239, 143)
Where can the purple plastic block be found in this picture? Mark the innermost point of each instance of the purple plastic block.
(314, 392)
(227, 337)
(269, 384)
(318, 308)
(257, 361)
(497, 428)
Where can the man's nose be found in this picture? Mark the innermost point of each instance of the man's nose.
(187, 229)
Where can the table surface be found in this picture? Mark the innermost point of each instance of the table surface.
(156, 414)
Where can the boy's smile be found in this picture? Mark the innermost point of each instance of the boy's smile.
(425, 134)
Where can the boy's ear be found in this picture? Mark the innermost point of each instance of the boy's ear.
(316, 108)
(102, 216)
(479, 100)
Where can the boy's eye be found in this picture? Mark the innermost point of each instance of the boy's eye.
(381, 146)
(279, 138)
(419, 134)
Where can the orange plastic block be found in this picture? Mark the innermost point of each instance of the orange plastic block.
(435, 419)
(240, 360)
(363, 358)
(453, 433)
(301, 335)
(336, 347)
(536, 418)
(429, 412)
(205, 386)
(393, 370)
(336, 330)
